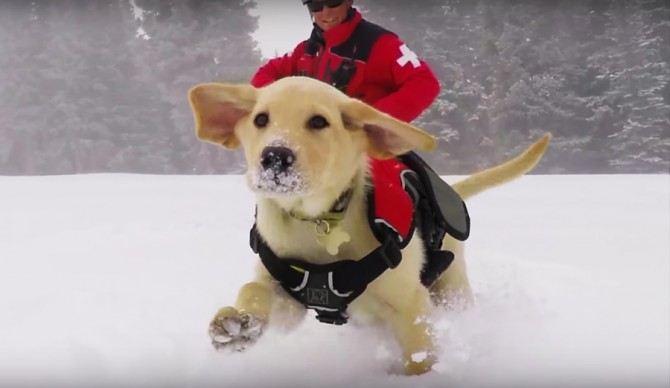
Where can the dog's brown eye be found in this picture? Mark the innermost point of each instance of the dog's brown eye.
(261, 120)
(317, 122)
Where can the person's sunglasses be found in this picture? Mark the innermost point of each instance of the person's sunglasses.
(317, 6)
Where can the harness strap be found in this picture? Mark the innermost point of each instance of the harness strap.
(330, 288)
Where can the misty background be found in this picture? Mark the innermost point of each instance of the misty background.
(92, 86)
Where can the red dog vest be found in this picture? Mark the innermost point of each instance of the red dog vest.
(390, 203)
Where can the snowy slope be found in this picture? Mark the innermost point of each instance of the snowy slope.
(112, 279)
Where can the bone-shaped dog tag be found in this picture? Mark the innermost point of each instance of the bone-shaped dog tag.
(332, 239)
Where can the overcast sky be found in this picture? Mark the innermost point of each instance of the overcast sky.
(282, 25)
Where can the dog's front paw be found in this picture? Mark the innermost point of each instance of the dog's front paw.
(419, 363)
(234, 330)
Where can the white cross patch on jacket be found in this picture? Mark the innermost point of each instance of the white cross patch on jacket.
(408, 56)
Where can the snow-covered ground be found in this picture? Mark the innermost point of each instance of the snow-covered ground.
(112, 279)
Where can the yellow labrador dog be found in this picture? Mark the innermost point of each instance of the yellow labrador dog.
(306, 144)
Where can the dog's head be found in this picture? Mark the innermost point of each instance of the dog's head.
(300, 136)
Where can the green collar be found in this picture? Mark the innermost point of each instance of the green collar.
(336, 212)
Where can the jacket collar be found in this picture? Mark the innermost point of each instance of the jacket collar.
(339, 34)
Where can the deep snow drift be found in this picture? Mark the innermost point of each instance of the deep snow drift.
(112, 279)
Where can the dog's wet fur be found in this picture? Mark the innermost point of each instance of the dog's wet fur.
(305, 144)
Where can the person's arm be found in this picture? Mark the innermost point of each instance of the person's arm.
(277, 68)
(417, 86)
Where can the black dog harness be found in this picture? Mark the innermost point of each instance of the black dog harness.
(329, 289)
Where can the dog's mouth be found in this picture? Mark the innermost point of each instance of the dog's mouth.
(288, 181)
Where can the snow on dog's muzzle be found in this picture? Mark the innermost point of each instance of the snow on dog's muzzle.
(277, 172)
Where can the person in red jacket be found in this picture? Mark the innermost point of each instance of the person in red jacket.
(370, 63)
(360, 58)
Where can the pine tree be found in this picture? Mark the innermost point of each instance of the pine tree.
(19, 136)
(77, 106)
(639, 71)
(512, 70)
(188, 43)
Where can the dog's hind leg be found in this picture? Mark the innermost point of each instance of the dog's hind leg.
(415, 334)
(453, 286)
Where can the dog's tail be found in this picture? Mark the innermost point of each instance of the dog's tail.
(503, 173)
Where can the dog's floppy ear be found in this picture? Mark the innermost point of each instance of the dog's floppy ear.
(387, 136)
(217, 108)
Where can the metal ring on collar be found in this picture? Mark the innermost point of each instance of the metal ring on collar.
(322, 227)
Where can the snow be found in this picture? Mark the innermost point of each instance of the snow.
(278, 180)
(112, 279)
(281, 26)
(420, 356)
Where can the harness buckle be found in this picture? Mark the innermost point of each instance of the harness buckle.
(334, 318)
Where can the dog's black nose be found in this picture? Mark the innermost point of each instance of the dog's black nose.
(278, 159)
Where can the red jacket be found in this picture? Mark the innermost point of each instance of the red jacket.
(388, 75)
